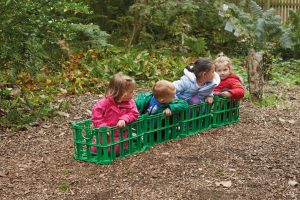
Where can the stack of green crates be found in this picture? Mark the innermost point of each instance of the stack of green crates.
(149, 130)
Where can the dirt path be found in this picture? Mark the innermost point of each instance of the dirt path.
(257, 158)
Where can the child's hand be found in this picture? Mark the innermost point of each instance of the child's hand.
(226, 94)
(121, 123)
(210, 100)
(168, 112)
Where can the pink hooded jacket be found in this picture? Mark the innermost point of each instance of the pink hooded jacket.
(107, 112)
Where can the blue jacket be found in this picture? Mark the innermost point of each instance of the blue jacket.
(187, 86)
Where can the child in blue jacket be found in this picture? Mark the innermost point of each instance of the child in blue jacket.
(198, 82)
(161, 100)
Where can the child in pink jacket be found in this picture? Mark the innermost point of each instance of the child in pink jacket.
(117, 108)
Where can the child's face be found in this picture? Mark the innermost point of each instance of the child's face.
(127, 96)
(223, 71)
(168, 98)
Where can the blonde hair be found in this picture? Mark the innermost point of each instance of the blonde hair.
(162, 89)
(119, 85)
(223, 60)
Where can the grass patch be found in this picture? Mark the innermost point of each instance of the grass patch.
(286, 72)
(65, 172)
(269, 100)
(63, 186)
(219, 173)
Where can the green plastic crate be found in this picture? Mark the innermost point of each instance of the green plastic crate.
(98, 145)
(225, 111)
(159, 128)
(196, 119)
(86, 137)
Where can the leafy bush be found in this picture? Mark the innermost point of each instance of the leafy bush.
(144, 65)
(31, 31)
(88, 71)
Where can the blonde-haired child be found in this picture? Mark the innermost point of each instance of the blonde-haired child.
(231, 84)
(162, 99)
(117, 108)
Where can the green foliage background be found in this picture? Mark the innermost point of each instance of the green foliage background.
(50, 49)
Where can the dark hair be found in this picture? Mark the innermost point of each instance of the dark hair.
(200, 65)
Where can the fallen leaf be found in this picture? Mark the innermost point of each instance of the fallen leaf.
(23, 166)
(282, 120)
(15, 91)
(64, 114)
(292, 121)
(63, 90)
(46, 126)
(88, 112)
(226, 184)
(61, 134)
(2, 174)
(26, 192)
(293, 182)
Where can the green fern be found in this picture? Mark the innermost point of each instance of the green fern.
(90, 34)
(255, 9)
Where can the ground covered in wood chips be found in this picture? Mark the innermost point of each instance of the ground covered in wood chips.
(257, 158)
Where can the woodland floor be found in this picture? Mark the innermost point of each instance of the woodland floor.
(256, 158)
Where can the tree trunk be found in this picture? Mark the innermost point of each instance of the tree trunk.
(137, 28)
(255, 75)
(138, 24)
